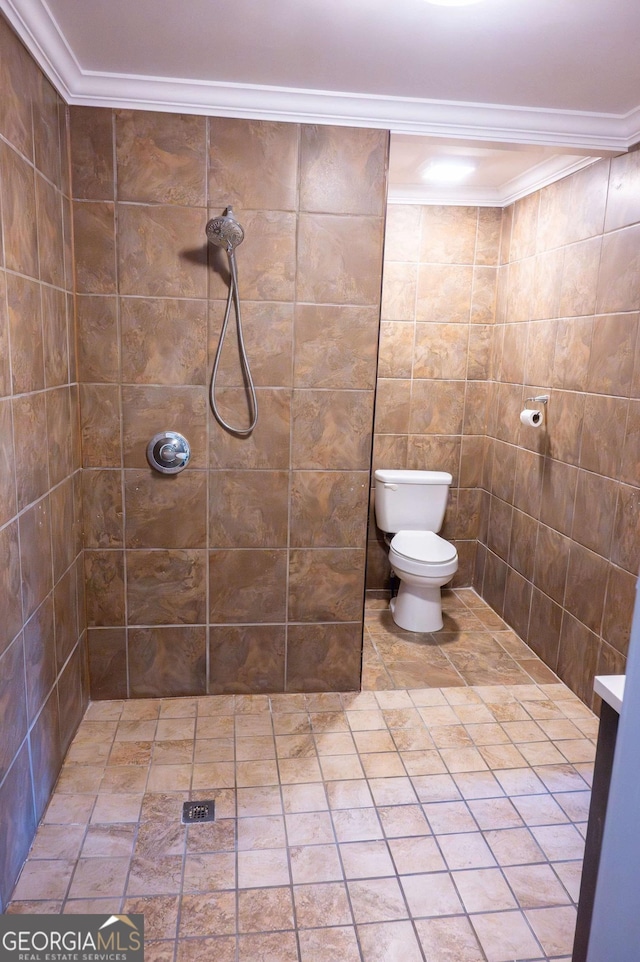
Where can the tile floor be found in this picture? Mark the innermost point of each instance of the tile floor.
(406, 824)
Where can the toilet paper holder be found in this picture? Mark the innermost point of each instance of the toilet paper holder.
(541, 398)
(532, 417)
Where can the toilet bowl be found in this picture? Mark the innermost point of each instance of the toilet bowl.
(411, 506)
(424, 562)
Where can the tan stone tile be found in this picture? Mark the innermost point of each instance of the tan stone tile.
(44, 879)
(435, 788)
(559, 841)
(349, 794)
(315, 863)
(423, 763)
(211, 914)
(155, 876)
(539, 810)
(478, 785)
(494, 813)
(340, 743)
(160, 915)
(484, 890)
(464, 759)
(261, 832)
(410, 739)
(322, 904)
(192, 950)
(449, 939)
(117, 808)
(431, 895)
(215, 775)
(304, 797)
(280, 946)
(377, 900)
(115, 840)
(259, 801)
(265, 910)
(254, 747)
(392, 791)
(57, 842)
(204, 873)
(466, 850)
(535, 886)
(505, 935)
(416, 855)
(514, 846)
(399, 821)
(570, 874)
(99, 877)
(446, 818)
(316, 945)
(357, 825)
(264, 867)
(297, 770)
(554, 928)
(389, 942)
(309, 828)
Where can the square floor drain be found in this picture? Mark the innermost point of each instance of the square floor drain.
(193, 812)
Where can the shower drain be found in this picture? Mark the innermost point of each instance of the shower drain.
(198, 812)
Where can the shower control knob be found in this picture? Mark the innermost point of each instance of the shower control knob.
(168, 452)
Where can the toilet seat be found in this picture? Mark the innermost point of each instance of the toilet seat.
(422, 553)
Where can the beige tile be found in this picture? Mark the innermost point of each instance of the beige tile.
(449, 817)
(392, 791)
(466, 850)
(99, 877)
(341, 767)
(309, 828)
(399, 821)
(484, 890)
(477, 785)
(349, 794)
(315, 863)
(514, 846)
(202, 915)
(366, 859)
(505, 936)
(108, 841)
(57, 842)
(264, 867)
(44, 879)
(535, 886)
(389, 942)
(155, 876)
(559, 841)
(449, 939)
(117, 808)
(429, 895)
(322, 904)
(265, 910)
(339, 942)
(377, 900)
(423, 762)
(570, 874)
(205, 873)
(416, 855)
(306, 797)
(261, 832)
(435, 788)
(357, 825)
(539, 810)
(259, 801)
(493, 813)
(554, 928)
(281, 947)
(297, 770)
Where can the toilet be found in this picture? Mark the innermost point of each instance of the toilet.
(410, 505)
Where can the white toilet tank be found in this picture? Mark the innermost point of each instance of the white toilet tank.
(411, 500)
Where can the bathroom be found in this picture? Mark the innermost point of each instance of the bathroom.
(119, 584)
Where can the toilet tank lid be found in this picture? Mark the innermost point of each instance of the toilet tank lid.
(412, 477)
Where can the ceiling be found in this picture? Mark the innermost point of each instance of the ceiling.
(529, 90)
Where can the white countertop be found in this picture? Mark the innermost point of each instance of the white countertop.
(611, 689)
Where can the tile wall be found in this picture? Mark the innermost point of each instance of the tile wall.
(556, 512)
(43, 684)
(561, 541)
(438, 310)
(245, 573)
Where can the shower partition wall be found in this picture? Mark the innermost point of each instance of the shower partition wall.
(245, 572)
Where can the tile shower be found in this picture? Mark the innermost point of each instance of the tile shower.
(118, 221)
(200, 582)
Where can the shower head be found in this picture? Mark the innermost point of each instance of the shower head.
(225, 231)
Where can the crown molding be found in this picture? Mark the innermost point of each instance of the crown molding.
(577, 130)
(508, 193)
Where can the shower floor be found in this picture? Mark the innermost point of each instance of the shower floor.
(421, 823)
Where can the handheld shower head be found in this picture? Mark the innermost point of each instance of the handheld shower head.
(225, 231)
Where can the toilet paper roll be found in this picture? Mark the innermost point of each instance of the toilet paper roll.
(532, 418)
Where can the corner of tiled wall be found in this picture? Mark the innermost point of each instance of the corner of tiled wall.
(43, 677)
(438, 310)
(561, 552)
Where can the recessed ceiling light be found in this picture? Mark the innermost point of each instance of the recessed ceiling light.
(447, 171)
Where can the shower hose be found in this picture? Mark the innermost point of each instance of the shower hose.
(234, 298)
